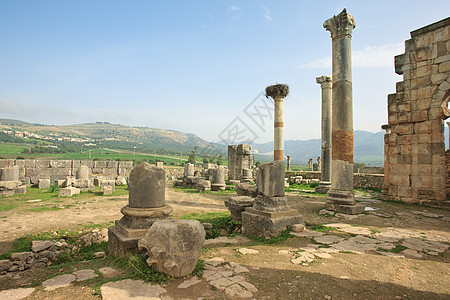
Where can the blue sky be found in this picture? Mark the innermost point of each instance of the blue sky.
(194, 66)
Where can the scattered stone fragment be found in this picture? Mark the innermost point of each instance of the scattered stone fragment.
(33, 201)
(227, 240)
(108, 272)
(327, 239)
(322, 255)
(349, 228)
(100, 254)
(248, 251)
(37, 246)
(58, 282)
(130, 289)
(325, 212)
(297, 227)
(411, 253)
(20, 293)
(5, 264)
(307, 233)
(85, 274)
(390, 254)
(304, 257)
(190, 282)
(240, 269)
(238, 290)
(215, 261)
(346, 216)
(343, 277)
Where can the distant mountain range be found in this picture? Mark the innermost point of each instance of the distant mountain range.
(368, 146)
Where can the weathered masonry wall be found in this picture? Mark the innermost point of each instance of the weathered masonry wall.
(32, 170)
(415, 166)
(362, 180)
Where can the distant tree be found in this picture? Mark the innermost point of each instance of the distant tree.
(193, 155)
(205, 159)
(358, 167)
(220, 159)
(257, 163)
(315, 167)
(212, 158)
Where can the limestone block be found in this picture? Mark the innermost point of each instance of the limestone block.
(203, 185)
(44, 183)
(270, 179)
(246, 189)
(100, 164)
(68, 192)
(112, 164)
(82, 172)
(121, 180)
(107, 190)
(128, 164)
(174, 246)
(30, 163)
(60, 164)
(9, 174)
(42, 164)
(21, 190)
(87, 163)
(160, 164)
(236, 205)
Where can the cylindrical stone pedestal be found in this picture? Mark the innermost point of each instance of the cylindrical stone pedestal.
(146, 205)
(217, 178)
(341, 197)
(278, 92)
(189, 170)
(82, 173)
(325, 160)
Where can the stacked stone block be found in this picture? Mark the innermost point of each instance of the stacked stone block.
(415, 165)
(30, 171)
(239, 158)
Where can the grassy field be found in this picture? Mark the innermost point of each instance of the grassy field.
(49, 199)
(7, 149)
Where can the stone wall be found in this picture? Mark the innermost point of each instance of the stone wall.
(414, 143)
(30, 171)
(374, 170)
(361, 180)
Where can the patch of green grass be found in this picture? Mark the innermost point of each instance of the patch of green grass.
(8, 206)
(348, 252)
(321, 228)
(193, 190)
(43, 208)
(199, 268)
(397, 249)
(218, 220)
(284, 235)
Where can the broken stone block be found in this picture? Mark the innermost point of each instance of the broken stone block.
(121, 180)
(107, 190)
(246, 189)
(44, 183)
(68, 192)
(203, 185)
(37, 246)
(174, 246)
(236, 205)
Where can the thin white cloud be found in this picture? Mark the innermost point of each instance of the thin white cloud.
(369, 57)
(210, 17)
(234, 8)
(266, 14)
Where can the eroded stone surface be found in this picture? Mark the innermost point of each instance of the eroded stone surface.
(130, 289)
(58, 282)
(85, 274)
(20, 293)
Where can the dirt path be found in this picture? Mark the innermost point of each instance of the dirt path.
(341, 275)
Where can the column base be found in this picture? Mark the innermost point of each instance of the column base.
(355, 209)
(323, 188)
(218, 187)
(119, 245)
(259, 223)
(341, 197)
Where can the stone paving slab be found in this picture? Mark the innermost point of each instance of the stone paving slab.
(131, 289)
(58, 282)
(85, 274)
(16, 294)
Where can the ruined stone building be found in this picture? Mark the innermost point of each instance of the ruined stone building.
(239, 159)
(415, 165)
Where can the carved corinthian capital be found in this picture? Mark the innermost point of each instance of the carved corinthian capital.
(277, 91)
(340, 25)
(324, 81)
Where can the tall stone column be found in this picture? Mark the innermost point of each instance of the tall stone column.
(278, 92)
(325, 163)
(288, 168)
(341, 197)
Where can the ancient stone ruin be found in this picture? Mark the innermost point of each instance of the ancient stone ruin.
(341, 197)
(271, 212)
(10, 183)
(415, 157)
(147, 204)
(240, 161)
(278, 92)
(174, 246)
(325, 159)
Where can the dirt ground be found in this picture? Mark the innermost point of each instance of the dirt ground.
(343, 276)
